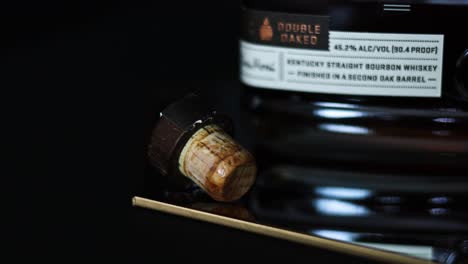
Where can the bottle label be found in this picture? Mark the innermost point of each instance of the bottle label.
(300, 53)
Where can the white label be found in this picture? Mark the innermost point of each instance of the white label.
(357, 63)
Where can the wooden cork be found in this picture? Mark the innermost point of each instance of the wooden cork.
(216, 163)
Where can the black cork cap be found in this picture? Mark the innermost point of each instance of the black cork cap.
(176, 124)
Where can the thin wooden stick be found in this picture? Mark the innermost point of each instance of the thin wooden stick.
(333, 245)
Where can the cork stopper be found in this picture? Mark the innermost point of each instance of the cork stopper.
(215, 162)
(194, 141)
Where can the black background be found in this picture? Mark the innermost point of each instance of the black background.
(73, 76)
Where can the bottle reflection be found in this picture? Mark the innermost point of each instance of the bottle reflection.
(343, 192)
(339, 208)
(363, 200)
(233, 210)
(385, 212)
(345, 129)
(195, 198)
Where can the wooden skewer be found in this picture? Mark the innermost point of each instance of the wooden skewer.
(328, 244)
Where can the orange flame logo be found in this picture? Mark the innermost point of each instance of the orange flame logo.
(266, 32)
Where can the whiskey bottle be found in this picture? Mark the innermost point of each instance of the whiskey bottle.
(373, 86)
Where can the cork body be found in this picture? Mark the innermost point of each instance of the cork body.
(215, 162)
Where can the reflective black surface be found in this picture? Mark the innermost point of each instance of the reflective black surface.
(428, 221)
(420, 214)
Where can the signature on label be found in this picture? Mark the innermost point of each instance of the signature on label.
(258, 65)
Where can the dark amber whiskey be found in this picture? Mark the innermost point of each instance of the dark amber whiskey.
(384, 90)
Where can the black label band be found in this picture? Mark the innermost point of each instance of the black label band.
(288, 30)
